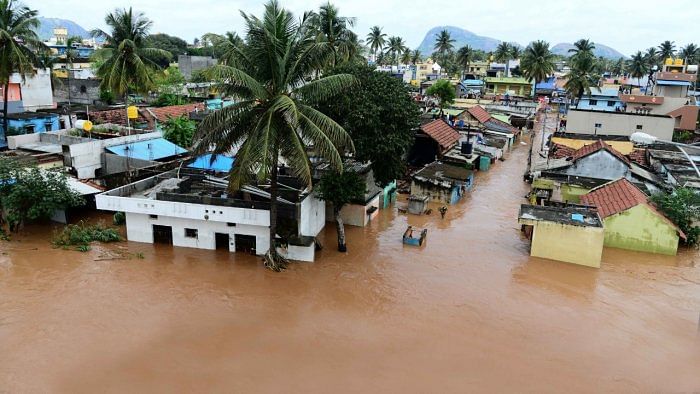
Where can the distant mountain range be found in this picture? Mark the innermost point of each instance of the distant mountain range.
(600, 50)
(488, 44)
(47, 25)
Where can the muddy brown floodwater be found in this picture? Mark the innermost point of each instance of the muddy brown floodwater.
(470, 311)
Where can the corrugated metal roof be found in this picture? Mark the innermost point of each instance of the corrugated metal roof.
(220, 164)
(155, 149)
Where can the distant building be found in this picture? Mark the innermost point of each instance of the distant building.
(514, 86)
(580, 121)
(631, 221)
(28, 95)
(601, 100)
(189, 65)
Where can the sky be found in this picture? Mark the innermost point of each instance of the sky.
(625, 25)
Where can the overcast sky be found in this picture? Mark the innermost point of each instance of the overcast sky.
(626, 25)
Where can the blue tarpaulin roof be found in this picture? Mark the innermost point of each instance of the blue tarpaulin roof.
(220, 164)
(672, 83)
(155, 149)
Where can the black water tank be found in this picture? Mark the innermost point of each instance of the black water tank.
(466, 148)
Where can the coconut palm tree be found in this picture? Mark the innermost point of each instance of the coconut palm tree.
(618, 67)
(582, 77)
(127, 65)
(690, 53)
(582, 47)
(639, 66)
(652, 57)
(334, 34)
(537, 62)
(465, 56)
(406, 56)
(19, 45)
(274, 117)
(444, 43)
(396, 46)
(415, 56)
(225, 45)
(667, 49)
(376, 40)
(502, 55)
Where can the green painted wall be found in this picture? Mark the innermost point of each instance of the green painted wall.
(641, 229)
(543, 183)
(572, 193)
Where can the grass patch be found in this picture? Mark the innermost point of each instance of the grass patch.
(79, 236)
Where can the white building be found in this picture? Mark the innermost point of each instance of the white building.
(190, 209)
(36, 90)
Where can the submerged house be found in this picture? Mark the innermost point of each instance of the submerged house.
(433, 140)
(631, 221)
(599, 160)
(189, 208)
(572, 234)
(442, 183)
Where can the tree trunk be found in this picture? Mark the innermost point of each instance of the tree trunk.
(5, 98)
(341, 230)
(70, 118)
(272, 259)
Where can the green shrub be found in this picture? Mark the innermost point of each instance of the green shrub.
(81, 235)
(119, 218)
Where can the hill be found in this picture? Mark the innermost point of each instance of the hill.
(461, 37)
(600, 50)
(47, 25)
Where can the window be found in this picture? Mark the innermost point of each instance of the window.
(611, 103)
(29, 128)
(593, 102)
(153, 216)
(231, 224)
(83, 89)
(191, 232)
(639, 127)
(598, 125)
(48, 126)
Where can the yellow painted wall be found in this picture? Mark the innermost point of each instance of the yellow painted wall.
(624, 147)
(640, 228)
(570, 244)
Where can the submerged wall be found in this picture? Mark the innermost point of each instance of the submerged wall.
(641, 229)
(571, 244)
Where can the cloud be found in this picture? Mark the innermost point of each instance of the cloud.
(626, 25)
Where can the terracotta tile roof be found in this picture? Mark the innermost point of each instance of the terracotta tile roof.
(441, 132)
(479, 113)
(639, 156)
(485, 118)
(559, 151)
(595, 147)
(618, 196)
(165, 113)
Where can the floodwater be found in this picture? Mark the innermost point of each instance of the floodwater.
(470, 311)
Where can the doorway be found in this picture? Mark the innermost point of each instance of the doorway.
(162, 234)
(221, 240)
(245, 243)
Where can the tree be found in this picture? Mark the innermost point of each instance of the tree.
(380, 116)
(29, 193)
(682, 207)
(376, 40)
(127, 65)
(537, 61)
(174, 45)
(169, 84)
(341, 189)
(334, 34)
(415, 57)
(690, 53)
(18, 46)
(465, 56)
(618, 67)
(667, 49)
(444, 44)
(581, 77)
(652, 57)
(502, 55)
(225, 46)
(638, 66)
(396, 46)
(180, 131)
(406, 56)
(443, 91)
(274, 116)
(582, 47)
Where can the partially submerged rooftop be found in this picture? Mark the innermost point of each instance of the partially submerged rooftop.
(574, 215)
